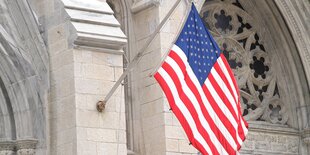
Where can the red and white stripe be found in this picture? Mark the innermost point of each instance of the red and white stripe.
(210, 114)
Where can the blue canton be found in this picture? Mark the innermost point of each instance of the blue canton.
(198, 45)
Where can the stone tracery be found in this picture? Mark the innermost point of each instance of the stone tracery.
(235, 31)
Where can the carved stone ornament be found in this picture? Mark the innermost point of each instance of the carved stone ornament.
(95, 25)
(236, 34)
(7, 148)
(306, 136)
(26, 147)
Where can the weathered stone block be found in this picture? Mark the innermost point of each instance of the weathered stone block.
(101, 135)
(174, 132)
(185, 147)
(57, 33)
(172, 145)
(86, 147)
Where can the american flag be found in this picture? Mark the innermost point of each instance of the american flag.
(202, 91)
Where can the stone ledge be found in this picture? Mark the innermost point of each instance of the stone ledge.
(95, 26)
(88, 6)
(272, 128)
(18, 145)
(263, 152)
(92, 18)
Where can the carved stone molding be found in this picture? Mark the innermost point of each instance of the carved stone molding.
(22, 147)
(26, 147)
(24, 75)
(244, 46)
(7, 148)
(95, 26)
(306, 136)
(298, 31)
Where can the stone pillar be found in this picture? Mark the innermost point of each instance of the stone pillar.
(26, 147)
(86, 59)
(7, 148)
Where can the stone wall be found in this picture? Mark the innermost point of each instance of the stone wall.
(279, 139)
(85, 47)
(85, 55)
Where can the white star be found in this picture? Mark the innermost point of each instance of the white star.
(210, 43)
(192, 18)
(188, 25)
(190, 32)
(185, 33)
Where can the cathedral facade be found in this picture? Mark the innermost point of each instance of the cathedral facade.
(60, 57)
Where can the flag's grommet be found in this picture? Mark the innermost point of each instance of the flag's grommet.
(100, 106)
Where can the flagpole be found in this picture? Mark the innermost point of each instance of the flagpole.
(135, 60)
(167, 52)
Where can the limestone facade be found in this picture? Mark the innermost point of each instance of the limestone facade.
(60, 57)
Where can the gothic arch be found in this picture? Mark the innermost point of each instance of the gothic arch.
(23, 80)
(258, 44)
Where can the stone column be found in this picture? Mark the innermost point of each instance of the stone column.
(26, 147)
(7, 148)
(86, 59)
